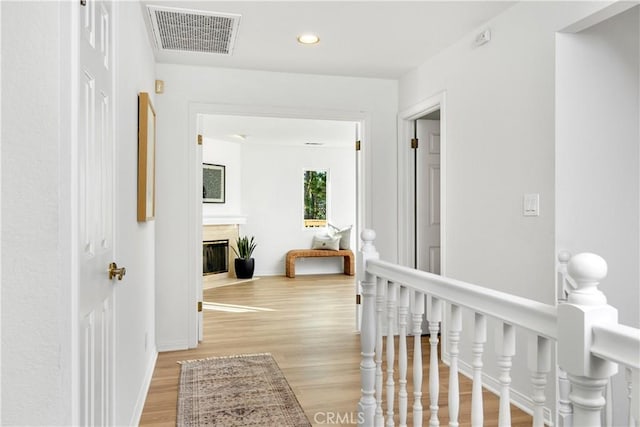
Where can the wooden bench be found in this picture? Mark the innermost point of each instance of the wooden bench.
(349, 259)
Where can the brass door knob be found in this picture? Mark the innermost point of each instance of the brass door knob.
(114, 271)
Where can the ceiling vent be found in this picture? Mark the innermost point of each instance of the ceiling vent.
(193, 30)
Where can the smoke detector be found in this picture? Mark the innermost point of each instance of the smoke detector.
(197, 31)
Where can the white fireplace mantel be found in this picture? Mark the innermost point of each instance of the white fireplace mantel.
(223, 219)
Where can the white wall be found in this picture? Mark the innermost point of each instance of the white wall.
(500, 131)
(135, 241)
(272, 196)
(35, 363)
(597, 158)
(247, 90)
(500, 145)
(598, 181)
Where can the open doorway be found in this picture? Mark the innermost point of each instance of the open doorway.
(421, 192)
(264, 158)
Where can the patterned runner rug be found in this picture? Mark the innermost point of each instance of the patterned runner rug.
(243, 390)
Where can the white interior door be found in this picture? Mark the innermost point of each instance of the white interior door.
(96, 213)
(428, 196)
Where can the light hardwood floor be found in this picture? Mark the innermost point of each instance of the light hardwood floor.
(307, 323)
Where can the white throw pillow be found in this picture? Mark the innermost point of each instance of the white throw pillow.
(344, 234)
(326, 242)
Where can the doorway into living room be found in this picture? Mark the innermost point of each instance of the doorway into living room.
(265, 162)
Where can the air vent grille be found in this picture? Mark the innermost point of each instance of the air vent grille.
(193, 30)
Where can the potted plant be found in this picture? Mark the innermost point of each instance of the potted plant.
(244, 263)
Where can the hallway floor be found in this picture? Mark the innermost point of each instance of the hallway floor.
(308, 324)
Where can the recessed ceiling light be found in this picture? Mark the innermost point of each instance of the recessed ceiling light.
(308, 39)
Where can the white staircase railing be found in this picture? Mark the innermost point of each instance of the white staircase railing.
(590, 344)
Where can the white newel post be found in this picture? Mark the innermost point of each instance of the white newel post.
(585, 306)
(367, 404)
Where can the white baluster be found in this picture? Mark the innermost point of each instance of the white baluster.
(585, 306)
(392, 292)
(539, 360)
(563, 278)
(403, 310)
(480, 338)
(565, 411)
(632, 377)
(367, 403)
(628, 380)
(381, 297)
(506, 349)
(608, 405)
(435, 317)
(418, 311)
(454, 388)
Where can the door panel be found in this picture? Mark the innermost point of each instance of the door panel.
(95, 214)
(428, 191)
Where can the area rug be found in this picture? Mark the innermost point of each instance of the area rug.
(243, 390)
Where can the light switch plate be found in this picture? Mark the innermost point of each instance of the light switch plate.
(531, 205)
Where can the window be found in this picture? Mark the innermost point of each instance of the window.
(315, 198)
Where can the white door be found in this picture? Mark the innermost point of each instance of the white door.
(95, 213)
(428, 195)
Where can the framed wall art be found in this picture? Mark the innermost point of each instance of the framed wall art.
(146, 158)
(213, 185)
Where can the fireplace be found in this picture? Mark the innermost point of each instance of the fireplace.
(215, 256)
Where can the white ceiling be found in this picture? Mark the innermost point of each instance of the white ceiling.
(278, 131)
(382, 39)
(378, 39)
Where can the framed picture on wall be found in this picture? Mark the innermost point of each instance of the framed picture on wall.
(146, 158)
(213, 186)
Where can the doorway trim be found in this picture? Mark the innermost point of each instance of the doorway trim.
(405, 177)
(194, 210)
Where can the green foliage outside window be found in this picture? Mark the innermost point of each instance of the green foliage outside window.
(315, 197)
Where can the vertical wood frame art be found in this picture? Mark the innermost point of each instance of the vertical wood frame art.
(146, 158)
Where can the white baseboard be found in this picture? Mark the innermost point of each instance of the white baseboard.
(144, 390)
(172, 346)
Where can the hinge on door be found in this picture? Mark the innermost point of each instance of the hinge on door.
(357, 145)
(199, 306)
(199, 139)
(414, 143)
(358, 299)
(83, 2)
